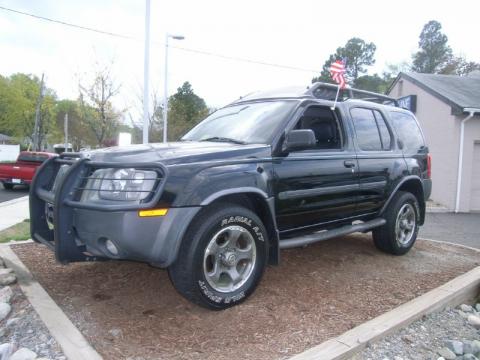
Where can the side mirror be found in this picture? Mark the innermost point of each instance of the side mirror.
(299, 140)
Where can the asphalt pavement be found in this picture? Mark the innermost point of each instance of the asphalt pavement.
(461, 229)
(18, 191)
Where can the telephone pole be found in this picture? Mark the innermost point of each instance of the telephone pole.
(36, 129)
(65, 128)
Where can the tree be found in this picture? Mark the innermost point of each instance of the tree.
(458, 65)
(79, 132)
(18, 98)
(155, 118)
(357, 53)
(373, 83)
(96, 106)
(185, 110)
(434, 53)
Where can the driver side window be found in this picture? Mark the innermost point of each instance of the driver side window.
(324, 125)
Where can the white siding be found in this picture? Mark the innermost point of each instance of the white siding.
(442, 132)
(475, 180)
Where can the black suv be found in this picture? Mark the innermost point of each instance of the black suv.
(273, 170)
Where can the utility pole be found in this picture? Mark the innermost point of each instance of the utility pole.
(65, 127)
(165, 85)
(36, 129)
(146, 73)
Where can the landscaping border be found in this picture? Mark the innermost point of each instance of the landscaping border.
(70, 339)
(463, 289)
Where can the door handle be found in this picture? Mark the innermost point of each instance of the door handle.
(349, 164)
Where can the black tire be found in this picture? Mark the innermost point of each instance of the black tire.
(386, 238)
(190, 274)
(8, 186)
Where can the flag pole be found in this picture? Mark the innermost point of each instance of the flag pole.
(336, 97)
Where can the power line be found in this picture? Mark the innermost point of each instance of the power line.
(127, 37)
(67, 24)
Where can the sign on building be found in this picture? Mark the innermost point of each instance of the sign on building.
(408, 102)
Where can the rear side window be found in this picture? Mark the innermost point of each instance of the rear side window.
(372, 132)
(408, 131)
(383, 129)
(32, 157)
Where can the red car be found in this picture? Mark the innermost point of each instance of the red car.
(21, 172)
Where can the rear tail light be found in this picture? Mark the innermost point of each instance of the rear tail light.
(429, 166)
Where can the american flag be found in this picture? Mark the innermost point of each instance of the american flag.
(337, 70)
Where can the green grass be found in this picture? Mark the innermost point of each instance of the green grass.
(17, 232)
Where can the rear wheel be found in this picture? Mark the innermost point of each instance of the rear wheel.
(398, 235)
(7, 186)
(222, 257)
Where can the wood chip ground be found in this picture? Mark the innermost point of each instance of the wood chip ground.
(315, 294)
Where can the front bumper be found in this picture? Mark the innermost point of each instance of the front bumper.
(80, 230)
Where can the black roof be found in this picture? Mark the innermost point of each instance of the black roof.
(460, 92)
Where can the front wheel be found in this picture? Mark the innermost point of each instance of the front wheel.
(222, 257)
(398, 235)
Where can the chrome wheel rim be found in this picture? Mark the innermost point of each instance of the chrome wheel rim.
(229, 259)
(405, 224)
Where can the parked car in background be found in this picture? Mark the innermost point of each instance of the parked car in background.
(271, 171)
(22, 171)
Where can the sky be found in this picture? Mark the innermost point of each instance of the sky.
(300, 34)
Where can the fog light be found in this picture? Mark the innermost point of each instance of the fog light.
(111, 247)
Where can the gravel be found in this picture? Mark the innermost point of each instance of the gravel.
(23, 336)
(445, 335)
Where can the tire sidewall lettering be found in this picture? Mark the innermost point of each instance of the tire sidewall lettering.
(238, 295)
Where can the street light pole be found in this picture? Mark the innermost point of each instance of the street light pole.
(146, 73)
(165, 89)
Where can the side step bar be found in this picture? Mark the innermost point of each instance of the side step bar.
(325, 235)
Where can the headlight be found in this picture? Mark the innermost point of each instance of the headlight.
(119, 185)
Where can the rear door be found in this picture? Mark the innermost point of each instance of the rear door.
(317, 186)
(380, 161)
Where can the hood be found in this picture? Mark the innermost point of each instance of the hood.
(179, 152)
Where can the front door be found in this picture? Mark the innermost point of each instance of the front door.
(318, 186)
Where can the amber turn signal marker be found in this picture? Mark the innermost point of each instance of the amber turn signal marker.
(152, 212)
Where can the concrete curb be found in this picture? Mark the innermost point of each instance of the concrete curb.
(450, 244)
(72, 342)
(14, 201)
(463, 288)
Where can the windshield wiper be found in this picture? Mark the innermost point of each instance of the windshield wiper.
(224, 139)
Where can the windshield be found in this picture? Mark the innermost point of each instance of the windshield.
(254, 123)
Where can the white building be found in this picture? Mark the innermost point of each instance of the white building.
(443, 104)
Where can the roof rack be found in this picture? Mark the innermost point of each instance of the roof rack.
(327, 91)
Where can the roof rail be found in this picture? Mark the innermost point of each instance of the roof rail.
(327, 91)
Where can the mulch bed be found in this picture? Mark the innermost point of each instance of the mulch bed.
(315, 294)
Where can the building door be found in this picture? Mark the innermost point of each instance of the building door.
(475, 190)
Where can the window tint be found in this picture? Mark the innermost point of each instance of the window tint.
(324, 125)
(32, 157)
(408, 131)
(384, 133)
(368, 136)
